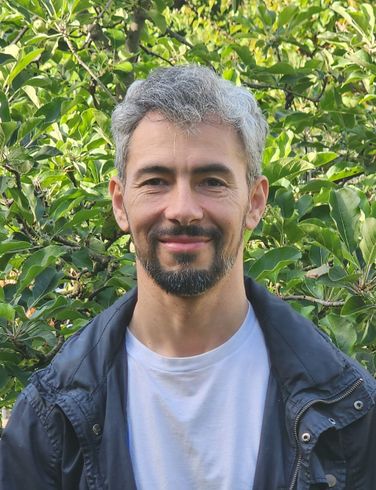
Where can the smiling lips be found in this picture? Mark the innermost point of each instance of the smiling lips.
(184, 243)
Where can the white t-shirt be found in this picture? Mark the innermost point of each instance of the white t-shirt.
(195, 422)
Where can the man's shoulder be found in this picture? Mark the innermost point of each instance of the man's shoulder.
(301, 354)
(87, 355)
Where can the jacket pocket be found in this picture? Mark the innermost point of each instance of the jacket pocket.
(327, 474)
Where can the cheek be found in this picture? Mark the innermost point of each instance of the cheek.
(141, 217)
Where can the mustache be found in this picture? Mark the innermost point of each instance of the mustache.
(186, 230)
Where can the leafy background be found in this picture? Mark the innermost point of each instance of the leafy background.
(63, 66)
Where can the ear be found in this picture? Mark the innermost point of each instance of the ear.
(116, 189)
(258, 196)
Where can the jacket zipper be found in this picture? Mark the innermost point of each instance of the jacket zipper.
(300, 414)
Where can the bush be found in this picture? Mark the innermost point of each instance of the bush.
(63, 66)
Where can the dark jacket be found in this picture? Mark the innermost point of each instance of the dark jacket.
(68, 429)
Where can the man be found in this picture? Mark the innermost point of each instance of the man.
(199, 380)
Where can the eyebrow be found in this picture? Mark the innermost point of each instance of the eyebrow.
(217, 168)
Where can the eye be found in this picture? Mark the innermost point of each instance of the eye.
(154, 182)
(213, 182)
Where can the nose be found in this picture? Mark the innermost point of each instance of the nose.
(183, 205)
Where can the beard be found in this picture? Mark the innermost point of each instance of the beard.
(187, 281)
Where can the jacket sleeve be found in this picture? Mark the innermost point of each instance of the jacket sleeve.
(27, 453)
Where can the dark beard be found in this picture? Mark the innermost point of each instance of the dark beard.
(187, 281)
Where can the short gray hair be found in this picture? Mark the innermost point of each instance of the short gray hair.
(187, 95)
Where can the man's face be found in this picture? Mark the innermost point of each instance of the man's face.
(185, 202)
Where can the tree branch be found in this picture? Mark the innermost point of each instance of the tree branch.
(134, 31)
(92, 295)
(263, 86)
(148, 51)
(180, 38)
(96, 23)
(48, 357)
(20, 35)
(16, 174)
(72, 49)
(312, 300)
(65, 241)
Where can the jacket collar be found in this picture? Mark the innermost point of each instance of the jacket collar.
(307, 366)
(302, 358)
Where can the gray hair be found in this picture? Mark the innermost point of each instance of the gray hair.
(187, 95)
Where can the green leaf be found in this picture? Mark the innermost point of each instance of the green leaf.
(369, 17)
(51, 111)
(336, 175)
(244, 54)
(7, 311)
(4, 377)
(45, 282)
(368, 241)
(324, 236)
(81, 216)
(46, 152)
(322, 158)
(285, 200)
(285, 167)
(343, 331)
(36, 263)
(125, 66)
(273, 261)
(287, 14)
(79, 5)
(4, 108)
(282, 69)
(344, 210)
(363, 22)
(158, 19)
(337, 273)
(14, 246)
(6, 58)
(32, 123)
(22, 64)
(355, 305)
(8, 129)
(316, 185)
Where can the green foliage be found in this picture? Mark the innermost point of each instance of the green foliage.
(63, 66)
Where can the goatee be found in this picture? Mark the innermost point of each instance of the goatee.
(187, 281)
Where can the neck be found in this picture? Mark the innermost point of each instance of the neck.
(185, 326)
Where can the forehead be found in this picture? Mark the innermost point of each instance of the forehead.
(157, 137)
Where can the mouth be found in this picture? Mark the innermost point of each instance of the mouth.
(183, 243)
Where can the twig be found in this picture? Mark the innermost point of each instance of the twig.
(323, 302)
(113, 239)
(65, 241)
(324, 83)
(178, 37)
(263, 86)
(16, 174)
(31, 234)
(20, 35)
(83, 64)
(48, 357)
(32, 354)
(103, 11)
(148, 51)
(95, 292)
(101, 259)
(99, 16)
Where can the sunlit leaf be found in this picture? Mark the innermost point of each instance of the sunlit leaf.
(22, 64)
(37, 262)
(344, 205)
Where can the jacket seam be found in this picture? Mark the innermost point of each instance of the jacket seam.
(42, 418)
(123, 305)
